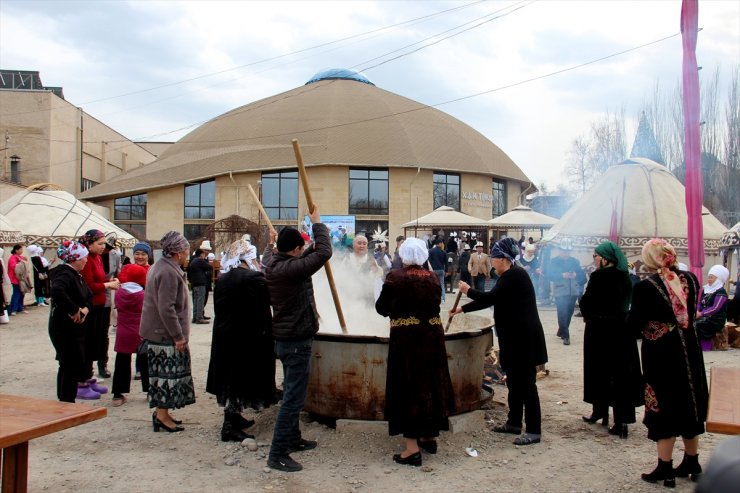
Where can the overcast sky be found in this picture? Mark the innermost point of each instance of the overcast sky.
(155, 70)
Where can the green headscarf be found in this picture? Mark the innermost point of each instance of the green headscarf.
(613, 254)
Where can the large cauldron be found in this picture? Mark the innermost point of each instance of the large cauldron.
(348, 373)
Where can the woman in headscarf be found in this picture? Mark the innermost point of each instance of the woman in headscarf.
(129, 302)
(71, 301)
(611, 364)
(520, 335)
(662, 313)
(16, 265)
(97, 341)
(418, 389)
(241, 373)
(165, 325)
(711, 314)
(40, 273)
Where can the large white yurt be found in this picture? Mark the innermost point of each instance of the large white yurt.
(648, 201)
(46, 217)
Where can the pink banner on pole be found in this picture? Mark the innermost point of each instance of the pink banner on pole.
(692, 142)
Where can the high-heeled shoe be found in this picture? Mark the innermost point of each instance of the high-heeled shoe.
(157, 424)
(412, 460)
(428, 445)
(176, 421)
(595, 417)
(619, 429)
(664, 471)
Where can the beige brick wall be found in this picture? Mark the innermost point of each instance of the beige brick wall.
(165, 211)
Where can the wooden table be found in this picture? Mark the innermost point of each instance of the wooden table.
(25, 418)
(724, 401)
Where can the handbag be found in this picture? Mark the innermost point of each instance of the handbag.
(4, 318)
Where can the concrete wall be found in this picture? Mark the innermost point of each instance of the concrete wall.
(46, 131)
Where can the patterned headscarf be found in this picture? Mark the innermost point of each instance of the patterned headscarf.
(610, 252)
(173, 242)
(506, 248)
(91, 237)
(69, 251)
(659, 256)
(238, 251)
(413, 251)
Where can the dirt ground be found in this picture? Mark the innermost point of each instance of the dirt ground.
(121, 453)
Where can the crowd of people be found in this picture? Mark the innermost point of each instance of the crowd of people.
(152, 305)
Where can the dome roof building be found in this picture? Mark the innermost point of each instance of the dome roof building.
(348, 129)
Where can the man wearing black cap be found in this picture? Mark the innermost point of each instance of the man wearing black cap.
(294, 323)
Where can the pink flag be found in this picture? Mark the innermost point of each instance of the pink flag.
(692, 143)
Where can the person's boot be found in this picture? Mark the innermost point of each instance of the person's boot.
(689, 467)
(86, 393)
(664, 471)
(103, 371)
(238, 421)
(229, 433)
(94, 385)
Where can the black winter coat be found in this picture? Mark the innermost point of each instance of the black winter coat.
(518, 326)
(294, 315)
(69, 293)
(199, 272)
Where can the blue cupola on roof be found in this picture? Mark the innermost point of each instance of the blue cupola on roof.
(339, 73)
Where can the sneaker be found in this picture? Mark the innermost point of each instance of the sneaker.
(302, 445)
(43, 304)
(284, 463)
(104, 372)
(566, 341)
(86, 393)
(137, 375)
(94, 385)
(202, 321)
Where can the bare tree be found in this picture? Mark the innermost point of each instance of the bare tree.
(608, 146)
(579, 170)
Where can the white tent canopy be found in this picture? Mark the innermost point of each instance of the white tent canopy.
(9, 234)
(46, 217)
(446, 217)
(649, 202)
(522, 217)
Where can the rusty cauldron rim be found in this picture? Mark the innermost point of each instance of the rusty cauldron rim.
(367, 339)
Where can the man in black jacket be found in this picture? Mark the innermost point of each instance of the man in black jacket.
(199, 275)
(438, 261)
(294, 323)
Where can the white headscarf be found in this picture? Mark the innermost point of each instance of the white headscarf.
(35, 250)
(722, 274)
(413, 251)
(238, 251)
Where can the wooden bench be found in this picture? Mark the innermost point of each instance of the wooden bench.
(25, 418)
(724, 401)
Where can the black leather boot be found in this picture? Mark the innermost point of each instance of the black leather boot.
(664, 471)
(229, 433)
(689, 467)
(238, 421)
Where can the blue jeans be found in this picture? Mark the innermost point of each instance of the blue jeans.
(16, 301)
(565, 305)
(441, 276)
(199, 302)
(296, 359)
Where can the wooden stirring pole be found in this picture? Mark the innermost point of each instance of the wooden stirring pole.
(311, 206)
(454, 307)
(259, 206)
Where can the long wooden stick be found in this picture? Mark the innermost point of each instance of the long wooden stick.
(259, 206)
(454, 307)
(311, 206)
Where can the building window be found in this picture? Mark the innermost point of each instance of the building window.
(368, 191)
(499, 198)
(447, 190)
(279, 194)
(129, 213)
(200, 200)
(88, 184)
(15, 169)
(200, 208)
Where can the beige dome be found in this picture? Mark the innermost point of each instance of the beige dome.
(337, 122)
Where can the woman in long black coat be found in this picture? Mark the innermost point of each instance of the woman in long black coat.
(676, 395)
(611, 364)
(241, 372)
(520, 336)
(418, 392)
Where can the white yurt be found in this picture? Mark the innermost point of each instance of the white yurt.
(46, 217)
(648, 201)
